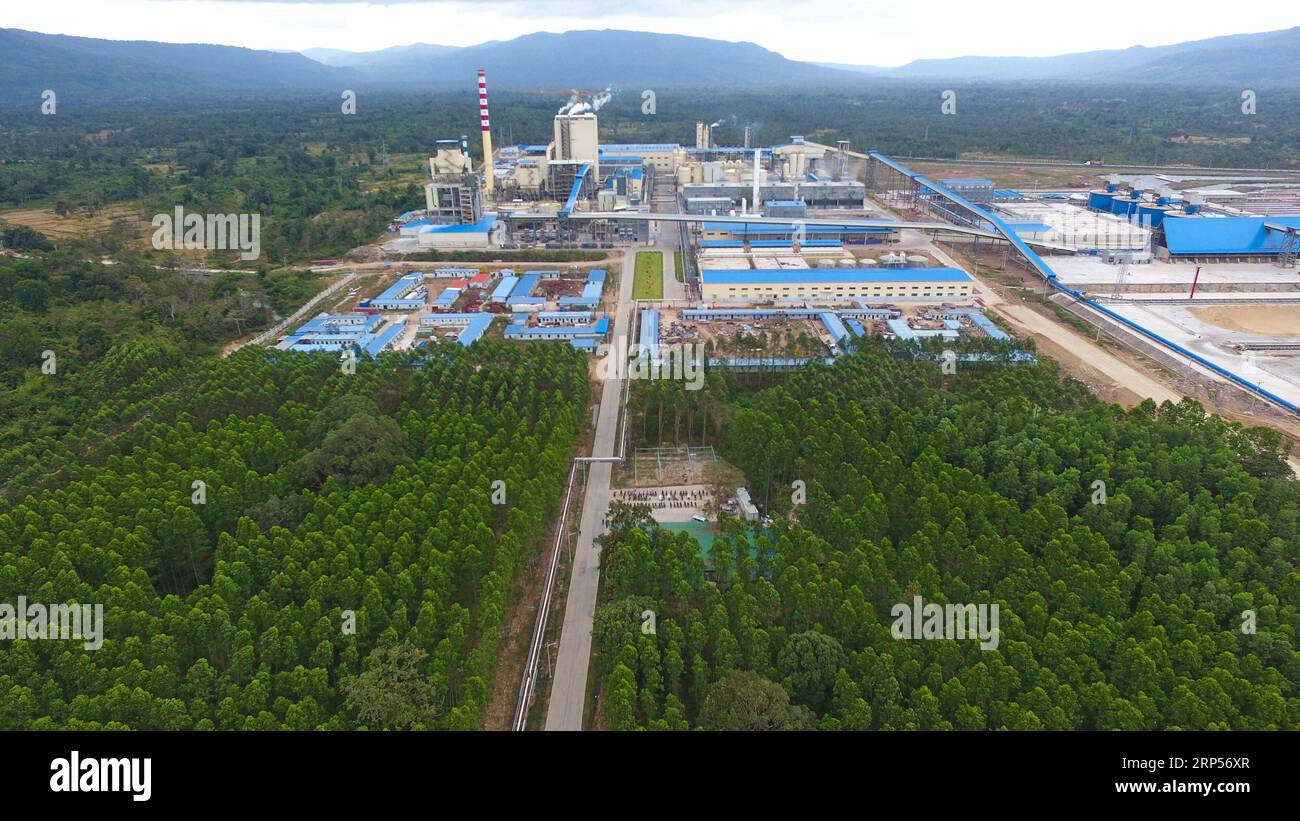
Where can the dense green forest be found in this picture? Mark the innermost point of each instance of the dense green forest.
(74, 303)
(323, 492)
(970, 488)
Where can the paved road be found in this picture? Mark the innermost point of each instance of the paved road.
(569, 688)
(673, 290)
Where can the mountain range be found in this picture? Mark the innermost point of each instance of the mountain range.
(82, 68)
(1267, 59)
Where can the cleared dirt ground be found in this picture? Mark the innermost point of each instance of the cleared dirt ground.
(53, 225)
(1272, 320)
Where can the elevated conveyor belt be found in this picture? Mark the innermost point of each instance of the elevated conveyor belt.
(1049, 275)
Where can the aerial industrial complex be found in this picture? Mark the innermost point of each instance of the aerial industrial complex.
(811, 234)
(760, 260)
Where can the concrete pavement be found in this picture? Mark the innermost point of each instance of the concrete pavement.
(569, 687)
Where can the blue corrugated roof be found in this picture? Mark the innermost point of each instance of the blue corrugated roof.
(713, 276)
(527, 283)
(399, 288)
(504, 289)
(635, 148)
(1225, 235)
(834, 326)
(650, 332)
(482, 226)
(474, 329)
(381, 340)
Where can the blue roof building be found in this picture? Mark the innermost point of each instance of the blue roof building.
(834, 326)
(649, 334)
(504, 288)
(326, 332)
(405, 294)
(1225, 236)
(472, 325)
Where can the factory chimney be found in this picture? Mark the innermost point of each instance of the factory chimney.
(699, 135)
(748, 135)
(756, 173)
(487, 131)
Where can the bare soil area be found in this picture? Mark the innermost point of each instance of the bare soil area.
(1272, 320)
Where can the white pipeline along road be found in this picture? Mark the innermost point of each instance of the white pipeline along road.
(569, 689)
(527, 686)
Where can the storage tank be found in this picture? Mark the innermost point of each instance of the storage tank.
(826, 263)
(917, 259)
(867, 262)
(1151, 215)
(892, 259)
(1124, 206)
(1100, 200)
(847, 263)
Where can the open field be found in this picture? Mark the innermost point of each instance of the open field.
(1013, 176)
(648, 282)
(52, 225)
(1277, 320)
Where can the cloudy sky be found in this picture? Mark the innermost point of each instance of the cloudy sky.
(871, 32)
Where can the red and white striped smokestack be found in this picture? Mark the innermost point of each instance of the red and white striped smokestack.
(486, 123)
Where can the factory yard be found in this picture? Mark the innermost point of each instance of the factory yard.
(1092, 274)
(1209, 333)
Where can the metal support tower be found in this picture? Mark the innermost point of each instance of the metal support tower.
(1122, 275)
(1286, 255)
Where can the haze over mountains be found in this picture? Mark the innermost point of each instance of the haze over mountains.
(108, 70)
(1268, 58)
